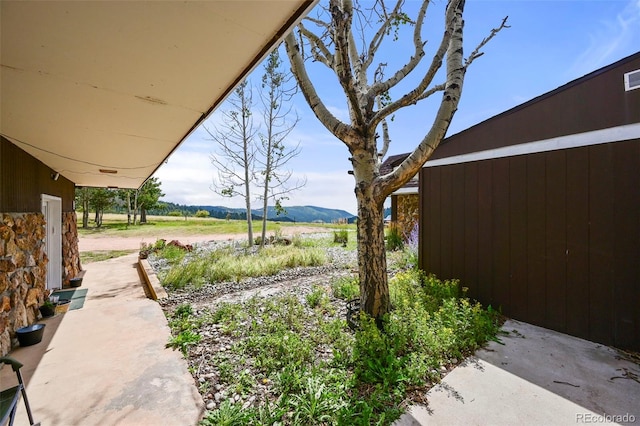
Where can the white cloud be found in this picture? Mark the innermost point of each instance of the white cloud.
(339, 113)
(607, 42)
(188, 175)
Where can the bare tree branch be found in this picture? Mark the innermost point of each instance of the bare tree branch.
(385, 185)
(339, 129)
(341, 16)
(412, 96)
(476, 52)
(377, 39)
(319, 50)
(415, 59)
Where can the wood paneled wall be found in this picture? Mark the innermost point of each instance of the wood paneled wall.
(551, 238)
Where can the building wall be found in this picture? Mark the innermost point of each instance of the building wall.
(22, 273)
(595, 101)
(551, 238)
(23, 261)
(23, 179)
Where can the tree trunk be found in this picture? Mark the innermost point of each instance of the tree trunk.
(249, 222)
(143, 215)
(128, 207)
(98, 218)
(135, 207)
(265, 209)
(85, 212)
(372, 258)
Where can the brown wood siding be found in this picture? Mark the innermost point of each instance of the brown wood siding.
(23, 179)
(593, 102)
(551, 238)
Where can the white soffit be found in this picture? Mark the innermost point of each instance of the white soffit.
(90, 85)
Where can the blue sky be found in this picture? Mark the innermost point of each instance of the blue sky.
(548, 44)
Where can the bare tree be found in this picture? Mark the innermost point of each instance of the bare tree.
(338, 38)
(279, 120)
(236, 147)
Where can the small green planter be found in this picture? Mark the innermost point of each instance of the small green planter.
(47, 310)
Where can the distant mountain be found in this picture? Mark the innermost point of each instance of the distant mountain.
(293, 213)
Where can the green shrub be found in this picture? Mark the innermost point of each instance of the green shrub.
(341, 237)
(176, 213)
(202, 213)
(394, 238)
(346, 288)
(172, 254)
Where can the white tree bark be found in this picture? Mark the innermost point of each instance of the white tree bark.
(335, 46)
(236, 146)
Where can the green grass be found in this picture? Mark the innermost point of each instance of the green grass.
(365, 377)
(116, 225)
(229, 264)
(98, 256)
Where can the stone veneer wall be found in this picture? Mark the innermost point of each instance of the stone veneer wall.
(22, 273)
(407, 212)
(70, 253)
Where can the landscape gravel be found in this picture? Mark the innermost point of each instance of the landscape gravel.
(296, 281)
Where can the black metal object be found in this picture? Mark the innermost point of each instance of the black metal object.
(353, 314)
(9, 397)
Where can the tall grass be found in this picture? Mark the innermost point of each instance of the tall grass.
(228, 264)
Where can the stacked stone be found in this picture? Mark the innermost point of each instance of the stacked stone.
(22, 273)
(408, 206)
(71, 266)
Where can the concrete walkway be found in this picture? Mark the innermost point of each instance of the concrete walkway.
(535, 377)
(106, 363)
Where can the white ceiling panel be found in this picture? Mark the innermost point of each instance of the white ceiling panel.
(97, 85)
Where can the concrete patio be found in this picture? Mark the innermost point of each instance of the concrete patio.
(106, 363)
(535, 376)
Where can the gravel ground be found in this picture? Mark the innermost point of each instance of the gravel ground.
(296, 281)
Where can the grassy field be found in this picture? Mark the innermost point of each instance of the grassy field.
(115, 225)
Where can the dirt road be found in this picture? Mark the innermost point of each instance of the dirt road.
(99, 243)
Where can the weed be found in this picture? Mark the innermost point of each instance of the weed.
(394, 238)
(317, 402)
(183, 340)
(346, 288)
(228, 414)
(183, 311)
(317, 298)
(341, 237)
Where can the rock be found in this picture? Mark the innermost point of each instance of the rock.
(211, 406)
(7, 266)
(5, 306)
(4, 282)
(217, 396)
(33, 295)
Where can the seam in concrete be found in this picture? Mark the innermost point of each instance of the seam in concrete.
(156, 291)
